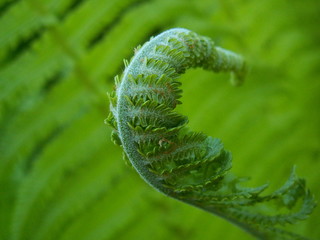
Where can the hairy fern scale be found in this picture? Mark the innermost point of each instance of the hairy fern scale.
(187, 165)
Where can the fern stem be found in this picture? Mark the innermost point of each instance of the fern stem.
(218, 59)
(182, 164)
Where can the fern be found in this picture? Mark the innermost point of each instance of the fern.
(60, 176)
(185, 165)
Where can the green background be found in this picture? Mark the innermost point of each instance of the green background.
(61, 177)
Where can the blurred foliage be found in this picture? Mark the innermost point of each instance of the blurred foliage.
(60, 175)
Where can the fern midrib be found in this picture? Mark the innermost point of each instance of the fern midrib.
(124, 130)
(130, 147)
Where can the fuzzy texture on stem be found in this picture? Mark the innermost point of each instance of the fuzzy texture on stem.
(187, 165)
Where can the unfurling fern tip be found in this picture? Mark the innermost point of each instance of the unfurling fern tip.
(187, 165)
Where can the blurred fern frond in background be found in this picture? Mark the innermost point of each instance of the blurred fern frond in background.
(60, 175)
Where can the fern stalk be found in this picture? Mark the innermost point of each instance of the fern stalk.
(186, 165)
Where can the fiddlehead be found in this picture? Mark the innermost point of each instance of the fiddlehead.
(186, 165)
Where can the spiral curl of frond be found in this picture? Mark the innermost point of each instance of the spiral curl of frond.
(183, 164)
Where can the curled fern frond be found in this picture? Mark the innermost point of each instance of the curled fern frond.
(186, 165)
